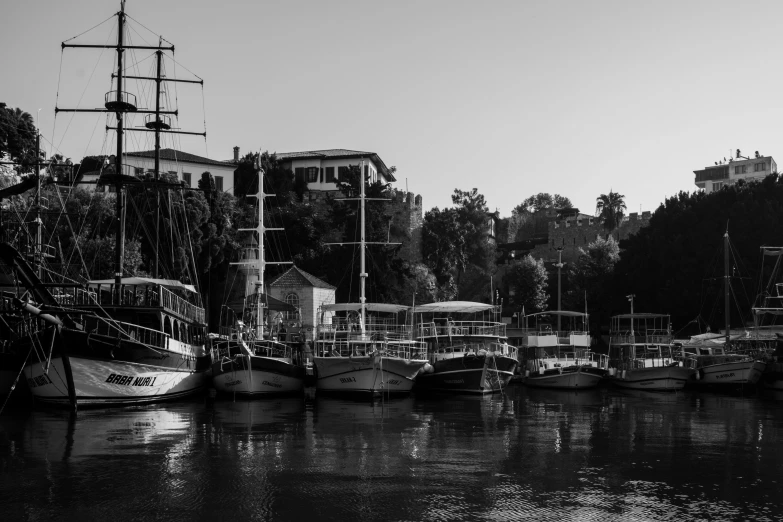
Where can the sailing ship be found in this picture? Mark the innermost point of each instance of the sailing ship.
(467, 348)
(560, 359)
(124, 340)
(641, 355)
(258, 358)
(359, 357)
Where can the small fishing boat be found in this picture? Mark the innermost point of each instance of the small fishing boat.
(560, 358)
(467, 348)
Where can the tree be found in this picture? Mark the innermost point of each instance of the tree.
(590, 279)
(17, 136)
(443, 246)
(526, 280)
(610, 209)
(542, 201)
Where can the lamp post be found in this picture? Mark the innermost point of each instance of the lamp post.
(559, 266)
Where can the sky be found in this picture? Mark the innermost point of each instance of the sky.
(513, 98)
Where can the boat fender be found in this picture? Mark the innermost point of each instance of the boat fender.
(527, 373)
(541, 370)
(427, 368)
(699, 374)
(611, 372)
(560, 370)
(623, 375)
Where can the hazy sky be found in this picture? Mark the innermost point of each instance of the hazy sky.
(513, 98)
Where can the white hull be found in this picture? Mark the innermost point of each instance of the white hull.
(101, 382)
(252, 382)
(739, 372)
(564, 380)
(666, 378)
(371, 374)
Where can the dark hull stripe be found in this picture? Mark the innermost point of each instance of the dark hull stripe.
(119, 401)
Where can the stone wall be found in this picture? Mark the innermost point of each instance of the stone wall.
(575, 233)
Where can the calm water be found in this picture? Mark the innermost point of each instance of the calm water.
(529, 454)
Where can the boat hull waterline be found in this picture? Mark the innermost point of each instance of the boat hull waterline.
(255, 376)
(666, 378)
(101, 382)
(729, 373)
(469, 374)
(569, 378)
(368, 374)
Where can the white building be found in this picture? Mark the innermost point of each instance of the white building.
(721, 174)
(321, 169)
(186, 167)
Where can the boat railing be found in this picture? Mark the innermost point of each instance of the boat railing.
(461, 328)
(477, 349)
(345, 347)
(341, 324)
(649, 362)
(134, 332)
(142, 296)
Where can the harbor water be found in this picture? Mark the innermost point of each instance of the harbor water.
(525, 454)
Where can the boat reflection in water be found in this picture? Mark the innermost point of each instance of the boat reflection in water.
(603, 454)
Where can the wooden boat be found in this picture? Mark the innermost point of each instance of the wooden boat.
(359, 357)
(467, 348)
(560, 358)
(259, 358)
(124, 340)
(641, 356)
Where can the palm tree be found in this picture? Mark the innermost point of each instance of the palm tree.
(610, 209)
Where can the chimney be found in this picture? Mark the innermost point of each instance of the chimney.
(236, 154)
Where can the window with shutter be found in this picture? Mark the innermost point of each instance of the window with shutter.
(342, 173)
(312, 174)
(219, 183)
(322, 175)
(330, 174)
(299, 173)
(186, 178)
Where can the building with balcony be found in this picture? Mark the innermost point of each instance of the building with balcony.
(185, 166)
(322, 169)
(710, 179)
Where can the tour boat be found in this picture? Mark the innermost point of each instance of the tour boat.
(467, 348)
(361, 356)
(641, 356)
(124, 340)
(262, 357)
(357, 356)
(560, 359)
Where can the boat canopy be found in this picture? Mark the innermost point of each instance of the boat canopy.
(641, 316)
(467, 307)
(370, 307)
(146, 281)
(563, 313)
(768, 311)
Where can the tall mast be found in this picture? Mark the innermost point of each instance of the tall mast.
(119, 250)
(726, 282)
(38, 248)
(254, 285)
(362, 246)
(159, 54)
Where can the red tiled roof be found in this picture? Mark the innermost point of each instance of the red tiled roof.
(296, 277)
(176, 155)
(337, 154)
